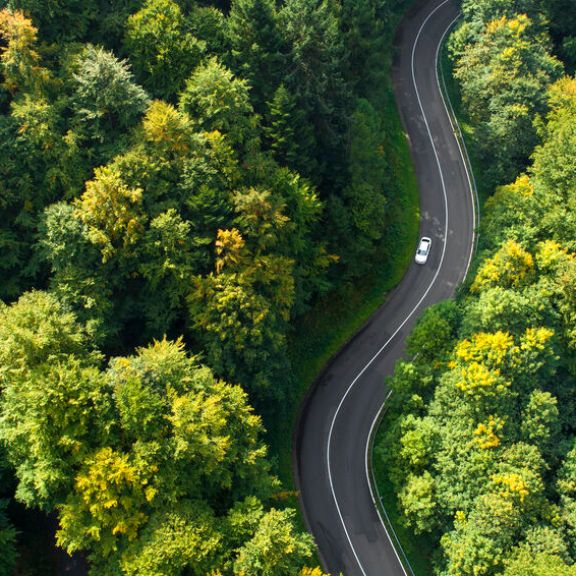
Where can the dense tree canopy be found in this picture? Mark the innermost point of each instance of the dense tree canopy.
(147, 452)
(179, 181)
(504, 66)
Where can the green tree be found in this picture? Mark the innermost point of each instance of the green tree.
(504, 76)
(543, 564)
(209, 25)
(290, 135)
(117, 452)
(161, 48)
(37, 330)
(244, 336)
(434, 334)
(106, 100)
(366, 26)
(216, 100)
(524, 562)
(361, 211)
(553, 173)
(478, 542)
(511, 266)
(316, 61)
(482, 538)
(566, 487)
(171, 256)
(418, 502)
(512, 212)
(19, 57)
(39, 164)
(257, 46)
(50, 420)
(486, 10)
(185, 538)
(78, 278)
(563, 24)
(276, 549)
(51, 395)
(540, 420)
(109, 501)
(111, 212)
(7, 543)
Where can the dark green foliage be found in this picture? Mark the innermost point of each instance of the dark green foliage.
(59, 19)
(257, 46)
(316, 65)
(367, 26)
(209, 25)
(291, 137)
(106, 100)
(434, 335)
(483, 11)
(8, 533)
(361, 211)
(9, 554)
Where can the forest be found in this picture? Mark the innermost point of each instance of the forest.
(180, 181)
(481, 447)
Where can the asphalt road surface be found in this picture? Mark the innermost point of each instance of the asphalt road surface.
(330, 448)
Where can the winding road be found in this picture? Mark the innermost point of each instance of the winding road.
(332, 437)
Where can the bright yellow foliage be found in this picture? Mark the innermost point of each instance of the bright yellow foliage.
(312, 572)
(111, 489)
(487, 433)
(515, 25)
(550, 254)
(112, 212)
(562, 96)
(492, 349)
(18, 57)
(476, 378)
(522, 186)
(510, 266)
(229, 248)
(460, 517)
(167, 127)
(512, 485)
(536, 338)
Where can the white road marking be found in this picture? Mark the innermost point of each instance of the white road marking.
(407, 317)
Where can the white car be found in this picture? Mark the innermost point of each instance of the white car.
(423, 250)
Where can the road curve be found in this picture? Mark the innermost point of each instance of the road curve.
(331, 437)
